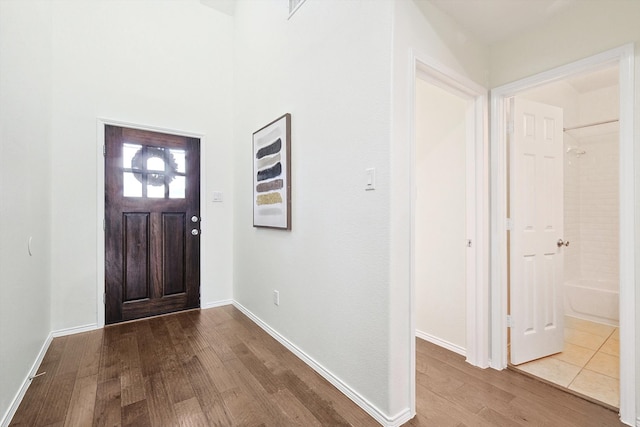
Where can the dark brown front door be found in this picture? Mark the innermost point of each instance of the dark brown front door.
(152, 223)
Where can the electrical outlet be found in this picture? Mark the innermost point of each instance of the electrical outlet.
(276, 297)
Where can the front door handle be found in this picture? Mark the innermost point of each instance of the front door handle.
(194, 232)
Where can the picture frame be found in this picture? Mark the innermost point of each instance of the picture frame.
(272, 174)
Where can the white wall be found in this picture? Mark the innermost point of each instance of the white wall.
(25, 201)
(586, 29)
(165, 64)
(440, 212)
(329, 67)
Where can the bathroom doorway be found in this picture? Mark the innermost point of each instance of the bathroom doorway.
(622, 57)
(585, 357)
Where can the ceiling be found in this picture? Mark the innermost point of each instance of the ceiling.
(493, 20)
(594, 80)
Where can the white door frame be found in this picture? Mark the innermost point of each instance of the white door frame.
(477, 301)
(100, 248)
(624, 56)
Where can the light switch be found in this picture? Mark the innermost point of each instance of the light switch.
(370, 179)
(217, 196)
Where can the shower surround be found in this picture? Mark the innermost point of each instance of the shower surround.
(591, 209)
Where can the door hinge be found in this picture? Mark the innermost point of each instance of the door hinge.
(509, 321)
(104, 225)
(469, 243)
(104, 298)
(510, 128)
(509, 224)
(104, 151)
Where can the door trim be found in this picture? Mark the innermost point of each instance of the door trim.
(477, 289)
(624, 56)
(100, 206)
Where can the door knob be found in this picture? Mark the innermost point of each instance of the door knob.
(194, 219)
(562, 243)
(194, 232)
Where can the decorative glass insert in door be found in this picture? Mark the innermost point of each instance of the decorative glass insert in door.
(153, 172)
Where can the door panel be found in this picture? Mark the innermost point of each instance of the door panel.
(136, 256)
(152, 245)
(173, 253)
(536, 203)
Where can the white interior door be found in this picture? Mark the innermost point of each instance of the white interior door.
(536, 211)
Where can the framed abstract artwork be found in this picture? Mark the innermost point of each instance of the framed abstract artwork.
(272, 174)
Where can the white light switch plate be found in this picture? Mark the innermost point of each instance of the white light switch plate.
(217, 196)
(370, 179)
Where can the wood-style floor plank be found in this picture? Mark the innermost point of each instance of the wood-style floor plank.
(136, 415)
(107, 407)
(83, 401)
(161, 409)
(131, 379)
(207, 393)
(217, 368)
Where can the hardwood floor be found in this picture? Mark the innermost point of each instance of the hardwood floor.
(215, 367)
(450, 392)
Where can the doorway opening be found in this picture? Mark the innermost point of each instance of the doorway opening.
(440, 228)
(449, 213)
(586, 359)
(593, 287)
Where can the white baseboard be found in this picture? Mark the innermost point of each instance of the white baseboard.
(442, 343)
(213, 304)
(367, 406)
(74, 330)
(6, 418)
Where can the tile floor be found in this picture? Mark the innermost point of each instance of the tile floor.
(589, 364)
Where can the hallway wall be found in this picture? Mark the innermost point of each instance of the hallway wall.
(25, 191)
(331, 71)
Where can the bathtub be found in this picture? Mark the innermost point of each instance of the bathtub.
(595, 300)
